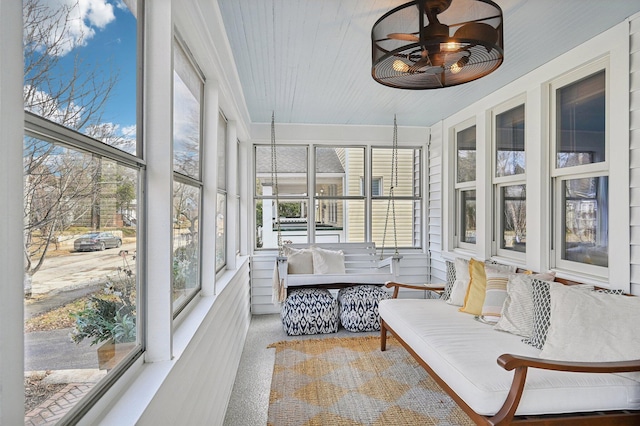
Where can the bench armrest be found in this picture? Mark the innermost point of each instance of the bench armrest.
(510, 362)
(438, 288)
(522, 363)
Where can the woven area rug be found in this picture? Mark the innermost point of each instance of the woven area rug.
(349, 381)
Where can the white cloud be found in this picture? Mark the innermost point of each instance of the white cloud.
(129, 131)
(42, 104)
(67, 24)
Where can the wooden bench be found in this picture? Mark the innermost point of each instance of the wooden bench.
(521, 365)
(362, 266)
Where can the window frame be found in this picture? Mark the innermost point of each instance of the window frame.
(222, 190)
(182, 178)
(461, 187)
(559, 175)
(500, 182)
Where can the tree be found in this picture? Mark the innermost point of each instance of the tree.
(60, 87)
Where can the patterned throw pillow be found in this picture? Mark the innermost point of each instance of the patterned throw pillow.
(495, 294)
(451, 278)
(541, 313)
(474, 299)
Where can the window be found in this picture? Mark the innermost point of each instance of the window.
(339, 200)
(580, 171)
(221, 211)
(289, 181)
(188, 86)
(465, 186)
(396, 220)
(509, 180)
(82, 186)
(339, 209)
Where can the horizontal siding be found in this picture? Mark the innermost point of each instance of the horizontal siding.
(634, 154)
(198, 396)
(438, 268)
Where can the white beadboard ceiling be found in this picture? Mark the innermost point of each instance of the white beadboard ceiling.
(309, 61)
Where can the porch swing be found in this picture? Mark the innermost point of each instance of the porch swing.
(350, 263)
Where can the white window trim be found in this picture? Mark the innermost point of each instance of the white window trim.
(502, 181)
(463, 186)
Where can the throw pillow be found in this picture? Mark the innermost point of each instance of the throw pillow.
(495, 294)
(461, 282)
(299, 261)
(590, 326)
(451, 278)
(474, 299)
(327, 261)
(542, 310)
(516, 315)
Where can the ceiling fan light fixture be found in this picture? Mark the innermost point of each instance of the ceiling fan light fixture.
(442, 43)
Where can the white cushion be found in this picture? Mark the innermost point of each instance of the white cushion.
(299, 261)
(327, 261)
(461, 283)
(592, 327)
(463, 353)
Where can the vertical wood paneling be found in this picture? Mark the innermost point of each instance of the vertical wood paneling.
(634, 155)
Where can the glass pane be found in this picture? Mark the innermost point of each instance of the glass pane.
(187, 92)
(80, 68)
(510, 156)
(222, 152)
(468, 217)
(586, 216)
(466, 155)
(580, 109)
(293, 222)
(221, 230)
(186, 242)
(408, 181)
(81, 290)
(291, 168)
(339, 171)
(514, 218)
(339, 221)
(405, 227)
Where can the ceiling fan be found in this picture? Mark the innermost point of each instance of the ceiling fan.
(444, 50)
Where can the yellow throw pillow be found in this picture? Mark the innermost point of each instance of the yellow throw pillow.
(474, 298)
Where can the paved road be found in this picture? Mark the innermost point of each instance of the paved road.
(63, 279)
(76, 270)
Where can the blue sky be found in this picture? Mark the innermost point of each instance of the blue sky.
(100, 33)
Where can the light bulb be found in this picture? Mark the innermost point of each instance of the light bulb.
(400, 66)
(457, 67)
(450, 46)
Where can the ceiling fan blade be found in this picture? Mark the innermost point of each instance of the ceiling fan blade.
(404, 37)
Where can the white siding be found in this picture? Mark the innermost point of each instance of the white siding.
(197, 390)
(434, 207)
(634, 154)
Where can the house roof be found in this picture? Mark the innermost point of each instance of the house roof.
(310, 61)
(292, 159)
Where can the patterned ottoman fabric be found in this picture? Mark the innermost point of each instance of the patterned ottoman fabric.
(359, 307)
(310, 311)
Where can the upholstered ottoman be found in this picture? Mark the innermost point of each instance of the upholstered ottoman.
(359, 307)
(310, 311)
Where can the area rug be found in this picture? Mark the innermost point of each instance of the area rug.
(349, 381)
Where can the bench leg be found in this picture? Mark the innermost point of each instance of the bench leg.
(383, 336)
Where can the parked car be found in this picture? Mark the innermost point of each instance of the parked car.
(96, 241)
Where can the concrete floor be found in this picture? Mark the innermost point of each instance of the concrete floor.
(249, 403)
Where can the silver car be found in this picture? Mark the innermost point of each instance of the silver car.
(96, 241)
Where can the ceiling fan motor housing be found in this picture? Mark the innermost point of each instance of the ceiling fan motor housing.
(429, 44)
